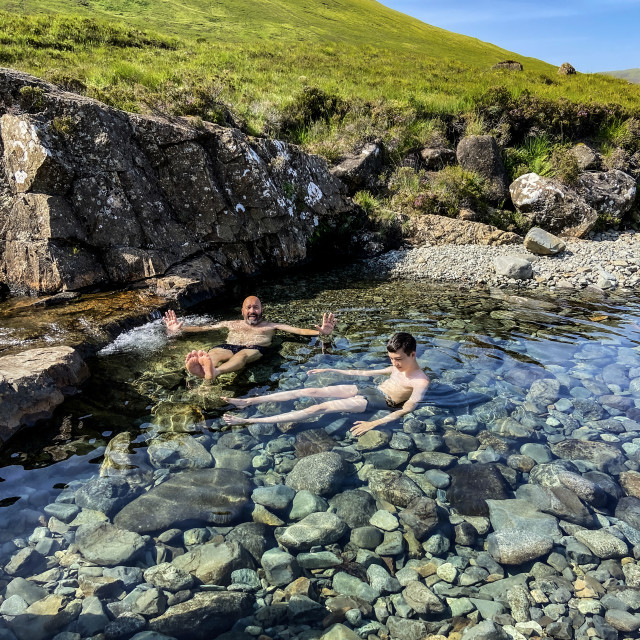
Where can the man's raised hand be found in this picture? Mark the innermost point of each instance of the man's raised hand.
(171, 322)
(328, 324)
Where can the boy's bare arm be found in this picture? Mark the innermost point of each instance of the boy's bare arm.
(354, 372)
(362, 426)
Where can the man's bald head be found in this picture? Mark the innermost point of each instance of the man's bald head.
(252, 310)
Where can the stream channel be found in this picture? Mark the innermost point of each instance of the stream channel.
(552, 373)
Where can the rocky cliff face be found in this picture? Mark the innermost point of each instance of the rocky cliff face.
(92, 196)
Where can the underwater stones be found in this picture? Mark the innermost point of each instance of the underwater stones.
(347, 585)
(214, 561)
(26, 562)
(168, 577)
(394, 487)
(558, 501)
(316, 529)
(355, 507)
(517, 546)
(373, 439)
(175, 451)
(209, 496)
(321, 473)
(544, 392)
(305, 503)
(601, 455)
(602, 544)
(204, 616)
(433, 460)
(227, 458)
(281, 568)
(473, 484)
(514, 515)
(107, 545)
(421, 599)
(314, 441)
(630, 482)
(255, 537)
(421, 516)
(277, 497)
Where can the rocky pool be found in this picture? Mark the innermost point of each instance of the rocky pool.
(514, 509)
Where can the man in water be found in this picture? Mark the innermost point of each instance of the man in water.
(399, 394)
(248, 339)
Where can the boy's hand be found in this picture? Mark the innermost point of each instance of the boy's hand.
(361, 426)
(171, 322)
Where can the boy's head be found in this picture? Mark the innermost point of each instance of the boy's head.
(402, 342)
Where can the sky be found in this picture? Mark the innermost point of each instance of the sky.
(593, 35)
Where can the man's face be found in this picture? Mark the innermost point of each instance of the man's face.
(252, 310)
(400, 360)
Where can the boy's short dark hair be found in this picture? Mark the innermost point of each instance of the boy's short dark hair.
(402, 341)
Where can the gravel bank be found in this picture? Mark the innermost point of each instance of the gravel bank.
(607, 261)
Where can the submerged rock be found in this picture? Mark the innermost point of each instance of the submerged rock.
(202, 496)
(472, 485)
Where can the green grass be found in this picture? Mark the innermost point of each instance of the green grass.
(382, 75)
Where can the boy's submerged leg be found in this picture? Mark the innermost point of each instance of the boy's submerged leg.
(354, 404)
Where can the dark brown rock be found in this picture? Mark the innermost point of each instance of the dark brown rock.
(473, 484)
(482, 155)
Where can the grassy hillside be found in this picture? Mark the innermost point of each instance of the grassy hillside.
(325, 73)
(631, 75)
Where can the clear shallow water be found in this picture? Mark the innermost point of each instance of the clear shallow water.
(496, 345)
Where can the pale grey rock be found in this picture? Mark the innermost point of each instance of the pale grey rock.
(168, 577)
(320, 473)
(513, 267)
(107, 545)
(514, 546)
(214, 562)
(281, 568)
(602, 544)
(542, 243)
(176, 451)
(304, 503)
(549, 204)
(316, 529)
(421, 599)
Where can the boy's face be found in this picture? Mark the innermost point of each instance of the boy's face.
(402, 361)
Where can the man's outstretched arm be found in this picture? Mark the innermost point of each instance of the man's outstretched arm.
(324, 329)
(174, 327)
(354, 372)
(362, 426)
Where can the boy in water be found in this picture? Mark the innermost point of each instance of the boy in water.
(399, 394)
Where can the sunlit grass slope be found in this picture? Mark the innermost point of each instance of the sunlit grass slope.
(380, 69)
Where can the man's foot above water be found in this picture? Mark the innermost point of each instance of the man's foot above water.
(199, 364)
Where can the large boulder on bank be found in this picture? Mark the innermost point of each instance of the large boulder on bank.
(436, 230)
(482, 155)
(543, 243)
(549, 204)
(97, 196)
(33, 383)
(610, 193)
(361, 170)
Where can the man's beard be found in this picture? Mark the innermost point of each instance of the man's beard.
(253, 319)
